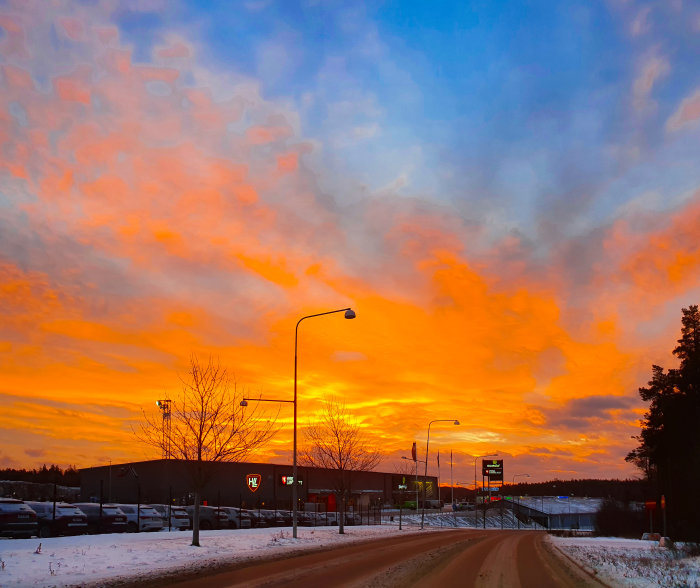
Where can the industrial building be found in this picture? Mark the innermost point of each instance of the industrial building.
(248, 485)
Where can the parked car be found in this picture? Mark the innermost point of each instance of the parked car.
(59, 518)
(17, 519)
(147, 517)
(179, 519)
(109, 519)
(330, 518)
(276, 518)
(306, 519)
(257, 519)
(210, 517)
(237, 517)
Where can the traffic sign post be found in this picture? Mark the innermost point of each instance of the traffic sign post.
(663, 512)
(650, 505)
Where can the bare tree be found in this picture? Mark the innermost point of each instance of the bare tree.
(207, 425)
(337, 443)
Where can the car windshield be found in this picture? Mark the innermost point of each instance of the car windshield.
(151, 512)
(13, 506)
(65, 510)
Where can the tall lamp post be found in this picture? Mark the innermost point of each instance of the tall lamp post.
(349, 314)
(516, 476)
(425, 476)
(476, 489)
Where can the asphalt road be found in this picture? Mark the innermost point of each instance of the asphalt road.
(460, 558)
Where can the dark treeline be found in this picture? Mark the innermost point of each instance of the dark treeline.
(669, 444)
(620, 490)
(44, 475)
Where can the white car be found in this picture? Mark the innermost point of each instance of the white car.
(147, 517)
(179, 519)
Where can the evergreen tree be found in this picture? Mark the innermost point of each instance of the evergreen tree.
(669, 450)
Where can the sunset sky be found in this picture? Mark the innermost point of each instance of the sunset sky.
(507, 193)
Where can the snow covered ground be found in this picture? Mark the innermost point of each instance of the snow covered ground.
(631, 562)
(87, 560)
(98, 559)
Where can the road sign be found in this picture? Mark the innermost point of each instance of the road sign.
(493, 468)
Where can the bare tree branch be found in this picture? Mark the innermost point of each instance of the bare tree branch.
(207, 425)
(338, 443)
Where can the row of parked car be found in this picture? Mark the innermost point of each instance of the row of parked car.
(48, 519)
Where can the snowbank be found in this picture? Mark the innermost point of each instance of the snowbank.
(631, 562)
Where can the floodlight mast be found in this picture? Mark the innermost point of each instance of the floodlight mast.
(164, 406)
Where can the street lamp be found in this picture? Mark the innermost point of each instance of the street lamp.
(476, 489)
(349, 314)
(425, 476)
(515, 476)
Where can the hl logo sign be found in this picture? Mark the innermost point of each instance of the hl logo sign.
(253, 481)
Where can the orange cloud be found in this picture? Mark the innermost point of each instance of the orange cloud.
(288, 162)
(159, 217)
(263, 135)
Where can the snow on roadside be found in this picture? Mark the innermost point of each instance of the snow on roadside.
(631, 562)
(87, 560)
(95, 560)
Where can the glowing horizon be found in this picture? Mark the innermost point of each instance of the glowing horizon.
(515, 228)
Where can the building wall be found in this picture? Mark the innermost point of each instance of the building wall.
(160, 481)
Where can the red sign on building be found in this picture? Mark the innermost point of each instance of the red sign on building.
(253, 481)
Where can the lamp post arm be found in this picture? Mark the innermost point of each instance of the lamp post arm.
(266, 400)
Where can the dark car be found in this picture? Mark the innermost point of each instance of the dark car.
(307, 519)
(257, 519)
(275, 518)
(59, 518)
(108, 519)
(17, 519)
(210, 517)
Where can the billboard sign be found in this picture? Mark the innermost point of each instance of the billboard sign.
(493, 469)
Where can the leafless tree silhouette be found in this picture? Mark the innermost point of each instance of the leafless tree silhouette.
(207, 425)
(336, 442)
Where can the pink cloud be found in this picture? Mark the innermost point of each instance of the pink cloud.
(653, 69)
(176, 50)
(640, 24)
(688, 112)
(73, 27)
